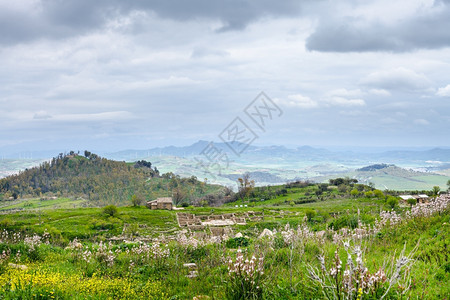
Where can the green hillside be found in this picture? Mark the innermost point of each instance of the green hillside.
(95, 181)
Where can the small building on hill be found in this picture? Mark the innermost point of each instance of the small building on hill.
(406, 197)
(161, 203)
(422, 198)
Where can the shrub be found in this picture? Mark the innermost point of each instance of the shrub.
(237, 242)
(350, 221)
(379, 194)
(310, 214)
(110, 210)
(100, 224)
(392, 201)
(303, 201)
(369, 194)
(342, 188)
(412, 201)
(6, 222)
(354, 192)
(54, 235)
(136, 200)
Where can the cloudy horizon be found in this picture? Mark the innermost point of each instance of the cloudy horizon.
(114, 75)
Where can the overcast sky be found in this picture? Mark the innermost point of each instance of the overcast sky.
(111, 75)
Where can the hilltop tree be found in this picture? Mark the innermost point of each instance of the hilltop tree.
(379, 194)
(178, 196)
(136, 200)
(369, 194)
(340, 180)
(245, 186)
(342, 188)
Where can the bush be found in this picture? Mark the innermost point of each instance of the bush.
(237, 242)
(392, 201)
(55, 235)
(343, 188)
(303, 201)
(7, 222)
(310, 214)
(369, 194)
(136, 200)
(412, 201)
(97, 224)
(379, 194)
(350, 221)
(110, 210)
(354, 192)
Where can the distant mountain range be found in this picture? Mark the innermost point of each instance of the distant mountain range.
(277, 153)
(401, 169)
(279, 164)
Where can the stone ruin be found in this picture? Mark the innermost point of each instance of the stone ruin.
(218, 225)
(221, 231)
(199, 222)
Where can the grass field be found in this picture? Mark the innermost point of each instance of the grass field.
(137, 253)
(37, 203)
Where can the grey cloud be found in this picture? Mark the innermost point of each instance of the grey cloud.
(235, 14)
(422, 31)
(61, 19)
(53, 19)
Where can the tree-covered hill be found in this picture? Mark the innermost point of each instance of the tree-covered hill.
(101, 181)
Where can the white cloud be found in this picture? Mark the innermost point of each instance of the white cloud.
(352, 113)
(345, 93)
(389, 121)
(379, 92)
(297, 100)
(397, 79)
(421, 122)
(95, 117)
(341, 101)
(344, 97)
(41, 115)
(444, 91)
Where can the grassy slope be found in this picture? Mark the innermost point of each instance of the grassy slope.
(428, 274)
(37, 203)
(80, 221)
(90, 224)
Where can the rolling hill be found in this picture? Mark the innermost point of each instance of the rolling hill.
(99, 181)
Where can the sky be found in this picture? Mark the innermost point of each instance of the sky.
(113, 75)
